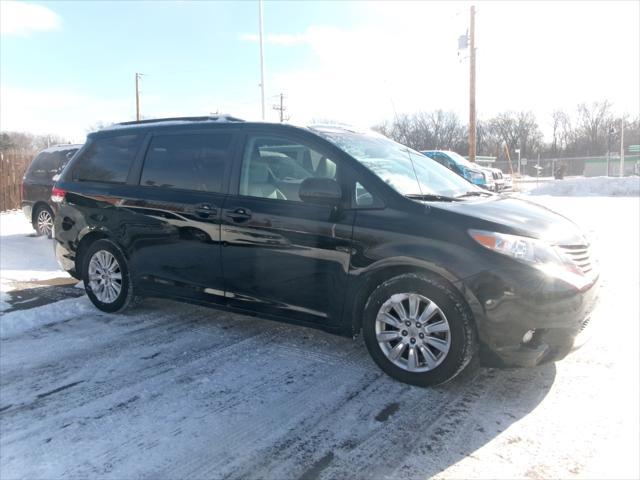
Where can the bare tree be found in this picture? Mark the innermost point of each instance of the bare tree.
(594, 122)
(28, 141)
(426, 130)
(517, 130)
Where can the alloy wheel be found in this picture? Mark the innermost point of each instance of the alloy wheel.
(105, 276)
(44, 222)
(413, 332)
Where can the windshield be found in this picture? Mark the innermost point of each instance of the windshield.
(407, 171)
(460, 160)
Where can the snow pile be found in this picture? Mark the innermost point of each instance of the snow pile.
(593, 186)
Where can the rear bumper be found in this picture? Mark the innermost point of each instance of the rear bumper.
(27, 209)
(507, 305)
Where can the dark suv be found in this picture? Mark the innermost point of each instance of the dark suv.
(329, 227)
(37, 182)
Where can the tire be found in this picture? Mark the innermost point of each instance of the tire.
(441, 329)
(43, 221)
(100, 275)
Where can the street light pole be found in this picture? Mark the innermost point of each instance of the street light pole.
(622, 147)
(518, 152)
(138, 76)
(611, 132)
(261, 61)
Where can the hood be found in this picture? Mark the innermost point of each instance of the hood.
(520, 217)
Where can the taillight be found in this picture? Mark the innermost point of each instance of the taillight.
(57, 195)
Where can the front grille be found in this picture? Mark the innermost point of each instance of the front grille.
(580, 255)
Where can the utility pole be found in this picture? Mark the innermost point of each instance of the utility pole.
(261, 61)
(138, 75)
(472, 87)
(281, 108)
(622, 147)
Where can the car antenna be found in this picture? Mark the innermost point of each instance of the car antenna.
(395, 114)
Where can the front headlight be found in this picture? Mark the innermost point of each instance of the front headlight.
(534, 252)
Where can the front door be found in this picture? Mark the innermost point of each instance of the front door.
(280, 255)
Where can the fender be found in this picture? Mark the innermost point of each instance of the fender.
(363, 281)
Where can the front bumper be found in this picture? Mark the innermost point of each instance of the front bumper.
(507, 304)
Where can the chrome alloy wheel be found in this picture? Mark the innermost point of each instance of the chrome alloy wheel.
(105, 276)
(413, 332)
(44, 222)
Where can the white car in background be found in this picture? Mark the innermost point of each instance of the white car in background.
(498, 179)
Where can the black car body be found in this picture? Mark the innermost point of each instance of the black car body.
(37, 182)
(306, 225)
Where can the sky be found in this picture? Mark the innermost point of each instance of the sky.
(69, 66)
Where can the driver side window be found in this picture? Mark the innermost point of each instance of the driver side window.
(274, 167)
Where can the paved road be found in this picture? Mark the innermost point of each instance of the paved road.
(175, 391)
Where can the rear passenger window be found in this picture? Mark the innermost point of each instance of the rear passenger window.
(189, 161)
(45, 165)
(107, 159)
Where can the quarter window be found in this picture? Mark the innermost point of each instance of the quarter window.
(107, 159)
(46, 165)
(189, 161)
(362, 196)
(275, 168)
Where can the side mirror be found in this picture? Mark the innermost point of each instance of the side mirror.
(321, 191)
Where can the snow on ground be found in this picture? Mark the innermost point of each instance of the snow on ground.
(4, 301)
(46, 315)
(23, 256)
(590, 186)
(177, 391)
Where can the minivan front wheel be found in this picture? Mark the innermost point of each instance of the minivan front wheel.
(418, 330)
(106, 277)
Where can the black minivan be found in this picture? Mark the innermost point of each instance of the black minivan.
(324, 226)
(37, 182)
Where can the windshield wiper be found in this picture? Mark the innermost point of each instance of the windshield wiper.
(430, 197)
(474, 193)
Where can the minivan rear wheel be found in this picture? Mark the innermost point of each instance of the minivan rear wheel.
(418, 330)
(43, 221)
(106, 277)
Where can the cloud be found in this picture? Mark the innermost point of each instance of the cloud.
(282, 39)
(392, 61)
(17, 18)
(62, 112)
(361, 75)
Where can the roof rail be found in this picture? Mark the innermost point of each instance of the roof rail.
(210, 118)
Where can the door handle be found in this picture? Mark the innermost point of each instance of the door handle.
(238, 214)
(204, 210)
